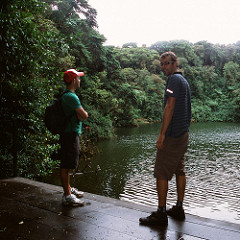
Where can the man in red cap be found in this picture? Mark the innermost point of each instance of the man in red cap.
(69, 139)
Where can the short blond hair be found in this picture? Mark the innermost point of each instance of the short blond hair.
(171, 54)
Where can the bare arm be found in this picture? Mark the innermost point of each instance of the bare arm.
(81, 114)
(167, 117)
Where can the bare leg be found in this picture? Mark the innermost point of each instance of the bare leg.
(181, 184)
(162, 188)
(160, 216)
(64, 175)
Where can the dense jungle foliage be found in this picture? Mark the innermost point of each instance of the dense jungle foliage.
(122, 86)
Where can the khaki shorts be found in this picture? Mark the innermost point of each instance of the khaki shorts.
(171, 159)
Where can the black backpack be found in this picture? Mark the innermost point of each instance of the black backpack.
(55, 118)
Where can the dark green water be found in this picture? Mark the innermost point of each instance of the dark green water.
(212, 166)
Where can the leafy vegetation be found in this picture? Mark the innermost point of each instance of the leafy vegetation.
(122, 86)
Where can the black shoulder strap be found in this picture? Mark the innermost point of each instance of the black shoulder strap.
(65, 91)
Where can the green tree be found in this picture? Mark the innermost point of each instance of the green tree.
(210, 54)
(236, 102)
(231, 73)
(183, 49)
(28, 50)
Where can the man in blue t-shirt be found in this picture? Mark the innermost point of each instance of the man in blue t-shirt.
(69, 139)
(172, 142)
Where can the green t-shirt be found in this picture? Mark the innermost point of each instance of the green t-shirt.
(70, 102)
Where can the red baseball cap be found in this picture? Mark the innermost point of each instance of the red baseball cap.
(71, 74)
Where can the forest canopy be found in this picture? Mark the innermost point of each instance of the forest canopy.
(122, 86)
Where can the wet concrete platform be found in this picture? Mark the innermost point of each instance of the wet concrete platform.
(32, 210)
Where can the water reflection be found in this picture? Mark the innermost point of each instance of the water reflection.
(212, 166)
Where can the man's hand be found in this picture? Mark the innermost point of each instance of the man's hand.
(160, 141)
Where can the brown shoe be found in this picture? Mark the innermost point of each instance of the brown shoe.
(176, 213)
(156, 218)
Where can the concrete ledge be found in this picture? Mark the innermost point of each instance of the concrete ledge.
(33, 210)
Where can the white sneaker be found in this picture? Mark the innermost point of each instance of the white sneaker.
(76, 192)
(72, 200)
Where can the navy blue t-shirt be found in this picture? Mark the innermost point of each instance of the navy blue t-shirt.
(178, 87)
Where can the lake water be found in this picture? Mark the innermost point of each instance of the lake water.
(212, 167)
